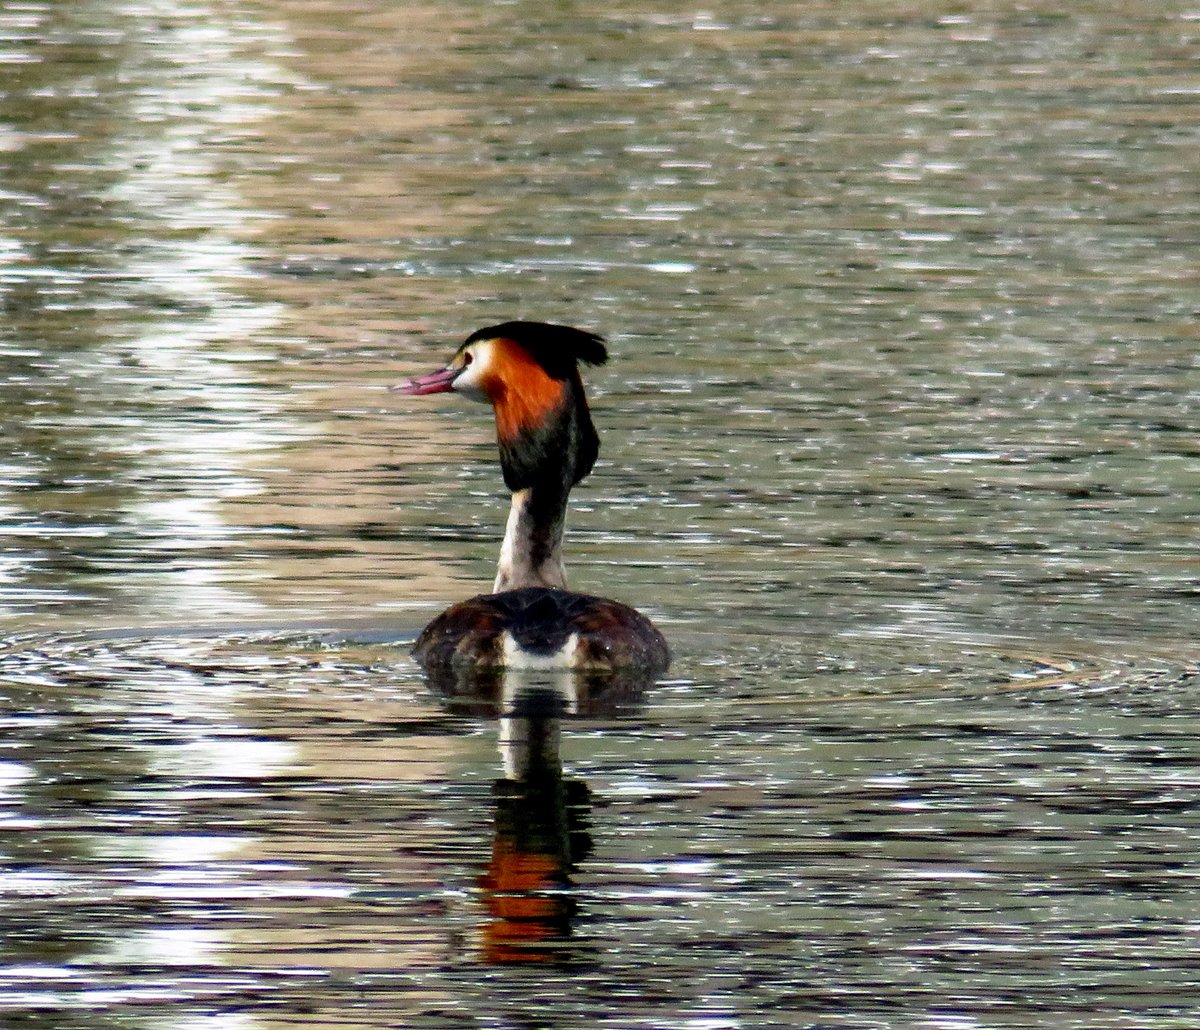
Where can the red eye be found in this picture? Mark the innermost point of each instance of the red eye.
(468, 357)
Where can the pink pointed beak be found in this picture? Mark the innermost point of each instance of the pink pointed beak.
(432, 382)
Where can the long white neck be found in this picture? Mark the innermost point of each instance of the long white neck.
(531, 555)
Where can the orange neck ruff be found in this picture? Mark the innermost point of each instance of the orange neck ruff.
(522, 394)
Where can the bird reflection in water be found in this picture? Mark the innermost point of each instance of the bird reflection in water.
(542, 817)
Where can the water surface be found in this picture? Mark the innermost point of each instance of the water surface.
(898, 447)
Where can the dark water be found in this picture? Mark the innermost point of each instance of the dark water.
(899, 448)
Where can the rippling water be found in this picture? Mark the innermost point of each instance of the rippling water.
(898, 446)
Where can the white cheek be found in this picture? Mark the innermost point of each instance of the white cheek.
(470, 382)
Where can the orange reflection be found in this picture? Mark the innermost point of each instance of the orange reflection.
(540, 837)
(542, 818)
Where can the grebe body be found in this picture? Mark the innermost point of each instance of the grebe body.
(529, 373)
(541, 628)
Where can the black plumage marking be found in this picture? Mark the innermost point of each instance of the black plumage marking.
(557, 453)
(557, 348)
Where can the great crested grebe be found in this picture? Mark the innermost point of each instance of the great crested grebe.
(529, 373)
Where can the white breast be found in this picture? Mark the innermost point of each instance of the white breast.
(516, 657)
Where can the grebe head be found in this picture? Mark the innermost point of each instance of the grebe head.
(529, 373)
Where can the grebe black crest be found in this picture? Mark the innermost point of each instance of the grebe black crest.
(529, 373)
